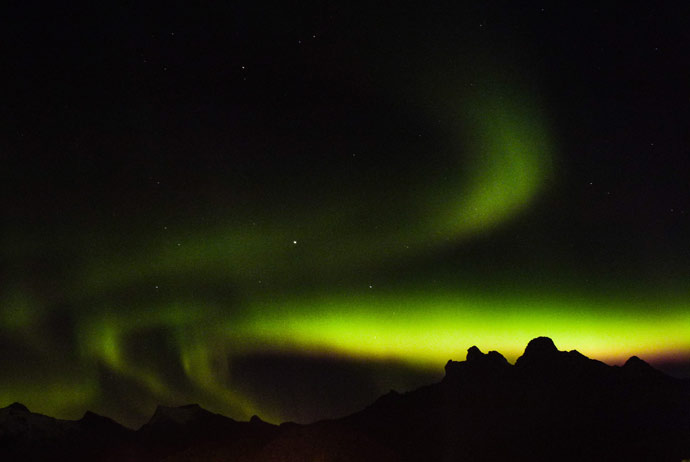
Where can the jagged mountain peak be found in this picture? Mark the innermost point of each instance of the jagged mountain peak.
(89, 415)
(636, 363)
(101, 423)
(542, 355)
(540, 347)
(635, 367)
(178, 414)
(485, 409)
(473, 353)
(477, 365)
(256, 420)
(17, 407)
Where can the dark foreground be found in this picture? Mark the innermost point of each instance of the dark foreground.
(550, 406)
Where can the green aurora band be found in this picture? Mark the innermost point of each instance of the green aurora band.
(423, 325)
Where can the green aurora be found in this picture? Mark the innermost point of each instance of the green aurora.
(421, 325)
(365, 196)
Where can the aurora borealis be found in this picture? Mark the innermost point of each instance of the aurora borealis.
(192, 195)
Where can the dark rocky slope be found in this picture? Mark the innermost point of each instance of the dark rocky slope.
(551, 405)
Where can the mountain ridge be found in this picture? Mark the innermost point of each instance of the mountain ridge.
(550, 404)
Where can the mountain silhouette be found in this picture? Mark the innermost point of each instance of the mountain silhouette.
(550, 406)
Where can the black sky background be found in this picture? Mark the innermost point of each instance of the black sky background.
(107, 101)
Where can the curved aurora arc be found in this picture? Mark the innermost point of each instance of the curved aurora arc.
(422, 326)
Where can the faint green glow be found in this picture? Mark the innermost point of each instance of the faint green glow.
(510, 155)
(103, 338)
(54, 396)
(104, 343)
(511, 161)
(205, 362)
(20, 310)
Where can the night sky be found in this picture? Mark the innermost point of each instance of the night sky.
(289, 210)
